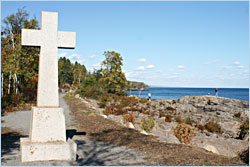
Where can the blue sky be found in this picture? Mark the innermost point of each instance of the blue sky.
(172, 44)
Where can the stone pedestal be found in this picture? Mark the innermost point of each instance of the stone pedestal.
(47, 140)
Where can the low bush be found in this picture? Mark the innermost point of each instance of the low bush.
(148, 124)
(178, 119)
(244, 129)
(189, 120)
(244, 156)
(184, 133)
(162, 114)
(213, 127)
(201, 127)
(237, 115)
(129, 118)
(143, 100)
(168, 118)
(102, 104)
(170, 108)
(106, 112)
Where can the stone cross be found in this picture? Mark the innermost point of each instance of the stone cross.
(49, 39)
(47, 139)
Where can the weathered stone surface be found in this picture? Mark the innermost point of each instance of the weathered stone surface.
(36, 151)
(48, 124)
(129, 125)
(228, 147)
(231, 128)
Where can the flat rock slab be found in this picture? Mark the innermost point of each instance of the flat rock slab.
(89, 152)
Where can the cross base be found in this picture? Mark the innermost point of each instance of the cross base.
(47, 139)
(37, 151)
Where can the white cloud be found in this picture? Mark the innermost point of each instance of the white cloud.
(82, 61)
(74, 56)
(241, 66)
(96, 65)
(150, 66)
(92, 56)
(142, 60)
(236, 63)
(227, 67)
(171, 77)
(140, 68)
(63, 54)
(212, 62)
(180, 67)
(129, 74)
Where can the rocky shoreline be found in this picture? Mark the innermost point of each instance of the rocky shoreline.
(217, 124)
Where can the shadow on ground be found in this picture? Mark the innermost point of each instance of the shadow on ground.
(10, 142)
(99, 154)
(70, 133)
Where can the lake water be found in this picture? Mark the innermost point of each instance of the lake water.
(176, 93)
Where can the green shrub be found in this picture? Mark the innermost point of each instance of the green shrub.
(244, 156)
(184, 133)
(201, 127)
(129, 118)
(148, 124)
(143, 100)
(102, 104)
(178, 119)
(170, 108)
(238, 114)
(189, 120)
(162, 114)
(213, 127)
(168, 118)
(244, 129)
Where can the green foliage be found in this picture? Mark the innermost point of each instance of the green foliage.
(244, 156)
(143, 100)
(189, 120)
(244, 129)
(19, 65)
(178, 119)
(184, 133)
(170, 108)
(65, 71)
(213, 127)
(129, 117)
(147, 124)
(69, 73)
(92, 91)
(201, 127)
(237, 115)
(113, 77)
(168, 118)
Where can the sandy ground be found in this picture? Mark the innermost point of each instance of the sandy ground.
(89, 152)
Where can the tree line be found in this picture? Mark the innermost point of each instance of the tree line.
(19, 70)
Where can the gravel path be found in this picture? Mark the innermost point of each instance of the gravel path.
(89, 152)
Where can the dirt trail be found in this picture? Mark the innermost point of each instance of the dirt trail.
(90, 152)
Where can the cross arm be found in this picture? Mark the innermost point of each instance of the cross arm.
(66, 39)
(31, 37)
